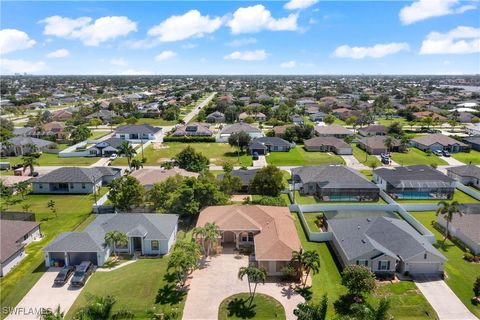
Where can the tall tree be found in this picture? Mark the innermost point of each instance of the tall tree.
(312, 311)
(56, 314)
(448, 211)
(126, 192)
(268, 181)
(114, 238)
(254, 276)
(100, 308)
(329, 119)
(208, 236)
(191, 160)
(358, 280)
(126, 150)
(80, 133)
(52, 206)
(239, 140)
(29, 161)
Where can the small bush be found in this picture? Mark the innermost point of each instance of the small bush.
(289, 273)
(268, 201)
(469, 257)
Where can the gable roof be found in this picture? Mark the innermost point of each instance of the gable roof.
(468, 170)
(378, 142)
(23, 141)
(326, 141)
(277, 238)
(469, 222)
(332, 176)
(439, 138)
(113, 142)
(414, 177)
(77, 174)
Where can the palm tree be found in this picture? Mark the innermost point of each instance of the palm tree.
(6, 146)
(297, 258)
(136, 164)
(48, 314)
(448, 210)
(404, 141)
(254, 275)
(100, 308)
(388, 143)
(115, 238)
(366, 312)
(127, 150)
(208, 235)
(311, 263)
(29, 161)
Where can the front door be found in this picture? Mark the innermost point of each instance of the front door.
(137, 244)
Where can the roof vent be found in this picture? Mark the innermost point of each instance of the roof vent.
(364, 241)
(358, 227)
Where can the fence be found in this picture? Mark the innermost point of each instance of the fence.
(473, 193)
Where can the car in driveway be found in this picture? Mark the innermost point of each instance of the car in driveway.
(113, 156)
(255, 156)
(438, 153)
(63, 276)
(82, 272)
(446, 153)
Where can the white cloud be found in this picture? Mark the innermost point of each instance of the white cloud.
(189, 46)
(241, 42)
(247, 55)
(165, 55)
(21, 66)
(190, 24)
(377, 51)
(135, 72)
(142, 43)
(90, 33)
(257, 18)
(60, 53)
(13, 40)
(120, 62)
(299, 4)
(424, 9)
(288, 64)
(461, 40)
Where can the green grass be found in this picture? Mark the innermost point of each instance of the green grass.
(387, 122)
(299, 157)
(157, 122)
(406, 301)
(311, 218)
(472, 157)
(98, 134)
(216, 152)
(460, 273)
(262, 307)
(459, 196)
(367, 173)
(415, 156)
(365, 158)
(48, 159)
(73, 213)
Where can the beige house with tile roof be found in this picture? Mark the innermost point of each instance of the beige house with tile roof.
(269, 230)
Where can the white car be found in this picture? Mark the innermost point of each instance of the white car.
(113, 156)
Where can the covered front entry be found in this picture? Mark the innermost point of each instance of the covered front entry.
(229, 237)
(137, 244)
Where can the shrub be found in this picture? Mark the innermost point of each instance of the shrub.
(469, 257)
(289, 273)
(268, 201)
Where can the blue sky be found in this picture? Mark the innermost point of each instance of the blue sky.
(236, 37)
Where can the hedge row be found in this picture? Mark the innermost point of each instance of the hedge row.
(188, 139)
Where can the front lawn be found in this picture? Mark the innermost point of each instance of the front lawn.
(415, 156)
(365, 158)
(460, 273)
(73, 213)
(459, 196)
(299, 157)
(157, 122)
(405, 300)
(98, 134)
(49, 159)
(216, 152)
(472, 157)
(262, 307)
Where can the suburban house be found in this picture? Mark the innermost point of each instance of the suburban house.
(317, 116)
(137, 132)
(334, 130)
(328, 144)
(439, 141)
(14, 236)
(414, 182)
(239, 127)
(62, 115)
(473, 142)
(384, 245)
(19, 146)
(215, 117)
(473, 129)
(269, 231)
(374, 130)
(104, 115)
(75, 180)
(297, 119)
(246, 175)
(258, 117)
(423, 114)
(465, 227)
(333, 183)
(268, 144)
(107, 147)
(52, 129)
(279, 131)
(148, 234)
(468, 175)
(376, 145)
(193, 129)
(150, 176)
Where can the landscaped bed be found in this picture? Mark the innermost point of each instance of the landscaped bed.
(262, 307)
(299, 157)
(460, 273)
(415, 156)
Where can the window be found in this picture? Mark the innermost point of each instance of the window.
(425, 256)
(154, 245)
(72, 186)
(83, 185)
(383, 265)
(362, 263)
(247, 237)
(40, 186)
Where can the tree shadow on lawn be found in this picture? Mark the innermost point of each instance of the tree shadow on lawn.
(234, 154)
(169, 294)
(241, 308)
(343, 306)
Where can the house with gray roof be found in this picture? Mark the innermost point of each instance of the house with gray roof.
(384, 245)
(137, 132)
(107, 147)
(194, 129)
(268, 144)
(328, 144)
(252, 131)
(147, 234)
(334, 130)
(75, 180)
(468, 174)
(215, 117)
(317, 116)
(334, 183)
(21, 145)
(245, 175)
(439, 141)
(376, 145)
(414, 182)
(373, 130)
(473, 142)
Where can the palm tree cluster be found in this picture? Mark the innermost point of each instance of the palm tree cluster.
(208, 236)
(254, 276)
(126, 149)
(306, 262)
(448, 210)
(184, 259)
(100, 308)
(114, 238)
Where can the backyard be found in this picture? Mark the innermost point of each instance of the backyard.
(460, 273)
(472, 157)
(50, 159)
(415, 156)
(459, 196)
(216, 152)
(365, 158)
(68, 218)
(406, 301)
(299, 157)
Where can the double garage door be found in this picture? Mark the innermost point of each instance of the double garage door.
(424, 268)
(75, 258)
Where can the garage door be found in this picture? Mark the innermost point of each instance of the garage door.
(424, 268)
(76, 258)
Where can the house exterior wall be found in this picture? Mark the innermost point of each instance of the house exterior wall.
(344, 151)
(224, 137)
(73, 188)
(135, 136)
(431, 265)
(11, 262)
(32, 235)
(465, 180)
(475, 247)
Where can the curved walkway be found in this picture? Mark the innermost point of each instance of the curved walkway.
(218, 280)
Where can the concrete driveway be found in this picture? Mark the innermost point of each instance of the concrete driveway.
(452, 161)
(44, 295)
(261, 162)
(352, 162)
(218, 280)
(442, 299)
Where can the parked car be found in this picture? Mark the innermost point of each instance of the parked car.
(17, 166)
(34, 174)
(4, 165)
(255, 156)
(446, 153)
(82, 272)
(438, 152)
(385, 160)
(384, 155)
(113, 156)
(63, 276)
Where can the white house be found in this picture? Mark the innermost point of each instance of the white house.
(137, 132)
